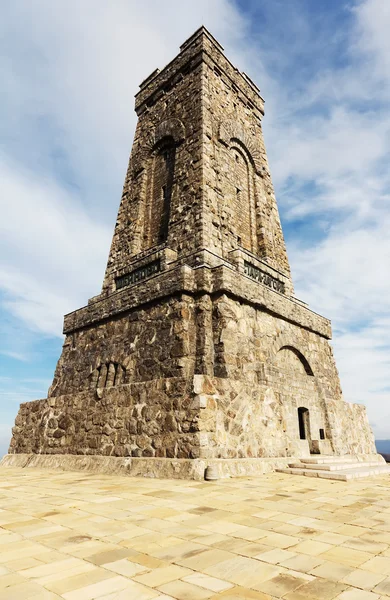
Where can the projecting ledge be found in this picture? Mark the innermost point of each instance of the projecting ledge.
(185, 279)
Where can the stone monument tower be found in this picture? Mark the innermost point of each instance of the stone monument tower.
(196, 348)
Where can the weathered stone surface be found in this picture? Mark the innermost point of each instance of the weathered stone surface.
(196, 349)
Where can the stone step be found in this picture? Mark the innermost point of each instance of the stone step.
(328, 460)
(356, 472)
(337, 466)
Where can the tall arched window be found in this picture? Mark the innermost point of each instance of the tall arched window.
(241, 194)
(163, 177)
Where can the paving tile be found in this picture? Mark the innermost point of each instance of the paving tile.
(242, 547)
(210, 583)
(358, 543)
(108, 556)
(329, 537)
(245, 572)
(351, 530)
(355, 594)
(377, 564)
(44, 595)
(301, 562)
(148, 561)
(383, 587)
(135, 591)
(280, 585)
(51, 578)
(125, 567)
(64, 583)
(185, 591)
(346, 556)
(114, 584)
(332, 571)
(204, 559)
(11, 579)
(311, 547)
(20, 564)
(22, 591)
(276, 556)
(61, 566)
(172, 553)
(279, 540)
(240, 593)
(164, 575)
(364, 580)
(319, 589)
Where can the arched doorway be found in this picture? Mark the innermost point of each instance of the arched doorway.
(295, 382)
(304, 423)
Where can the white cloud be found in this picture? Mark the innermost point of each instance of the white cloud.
(70, 81)
(44, 234)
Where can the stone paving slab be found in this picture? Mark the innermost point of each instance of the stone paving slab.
(79, 536)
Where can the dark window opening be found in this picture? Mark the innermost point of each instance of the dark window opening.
(163, 182)
(322, 434)
(303, 414)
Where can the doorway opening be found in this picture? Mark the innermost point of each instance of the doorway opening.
(304, 423)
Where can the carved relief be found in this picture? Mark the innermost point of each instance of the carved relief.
(231, 130)
(107, 375)
(170, 128)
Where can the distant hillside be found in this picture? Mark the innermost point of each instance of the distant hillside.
(383, 446)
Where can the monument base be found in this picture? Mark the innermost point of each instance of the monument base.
(157, 468)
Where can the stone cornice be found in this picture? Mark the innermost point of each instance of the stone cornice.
(187, 280)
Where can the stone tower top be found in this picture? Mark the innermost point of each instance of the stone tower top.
(199, 42)
(198, 190)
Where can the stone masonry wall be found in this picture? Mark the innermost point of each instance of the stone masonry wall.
(207, 377)
(215, 190)
(154, 341)
(152, 418)
(173, 120)
(266, 368)
(232, 136)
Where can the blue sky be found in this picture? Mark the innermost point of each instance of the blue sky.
(69, 72)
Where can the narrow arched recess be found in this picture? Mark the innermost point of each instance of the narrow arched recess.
(301, 358)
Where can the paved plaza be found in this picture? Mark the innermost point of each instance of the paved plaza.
(81, 536)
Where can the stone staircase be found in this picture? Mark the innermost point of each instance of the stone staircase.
(340, 468)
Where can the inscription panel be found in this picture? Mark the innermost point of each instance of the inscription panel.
(263, 277)
(138, 274)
